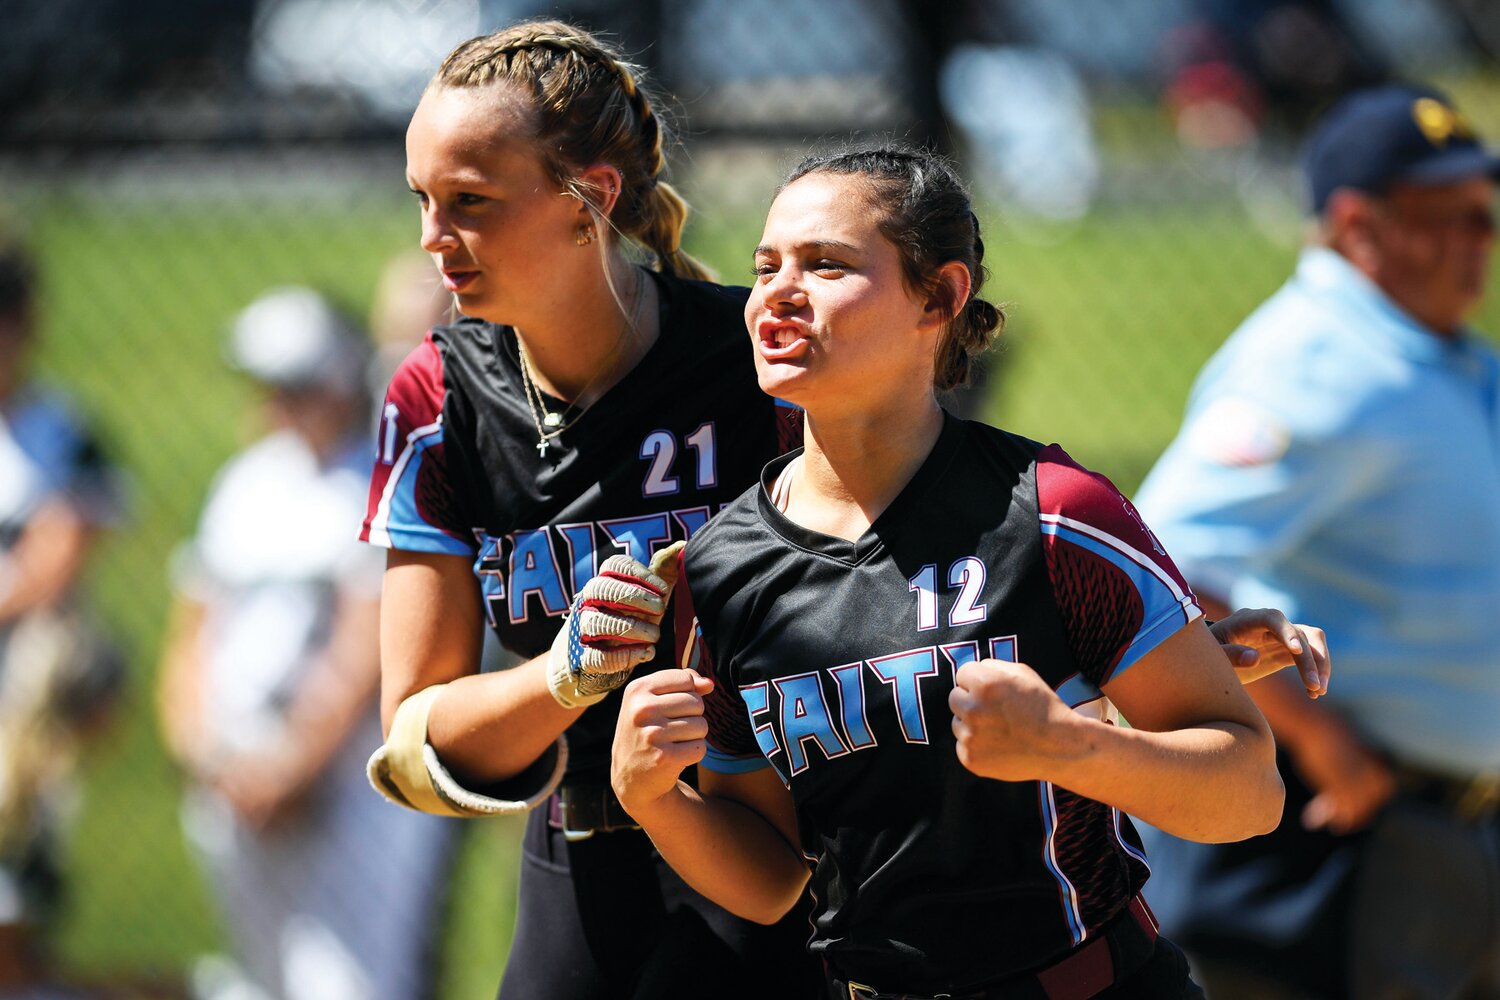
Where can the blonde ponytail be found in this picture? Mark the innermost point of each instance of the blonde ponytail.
(662, 221)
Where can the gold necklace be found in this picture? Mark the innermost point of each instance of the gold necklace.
(550, 424)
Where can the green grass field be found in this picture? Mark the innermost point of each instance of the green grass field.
(1109, 322)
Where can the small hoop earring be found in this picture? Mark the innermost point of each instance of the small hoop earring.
(585, 235)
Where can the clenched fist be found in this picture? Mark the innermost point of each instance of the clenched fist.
(660, 732)
(1010, 725)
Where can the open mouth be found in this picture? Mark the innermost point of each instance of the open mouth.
(781, 340)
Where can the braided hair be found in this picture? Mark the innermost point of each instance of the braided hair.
(588, 106)
(927, 214)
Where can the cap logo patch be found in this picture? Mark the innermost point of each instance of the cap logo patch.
(1439, 122)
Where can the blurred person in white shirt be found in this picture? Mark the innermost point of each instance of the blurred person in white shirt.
(268, 690)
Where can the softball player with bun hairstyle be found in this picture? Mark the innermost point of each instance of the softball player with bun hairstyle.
(553, 447)
(914, 635)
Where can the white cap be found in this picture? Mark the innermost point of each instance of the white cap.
(293, 337)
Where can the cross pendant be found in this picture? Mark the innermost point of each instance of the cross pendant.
(541, 447)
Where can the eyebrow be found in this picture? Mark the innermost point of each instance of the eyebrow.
(812, 245)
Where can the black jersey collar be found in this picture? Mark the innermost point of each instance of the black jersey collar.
(949, 442)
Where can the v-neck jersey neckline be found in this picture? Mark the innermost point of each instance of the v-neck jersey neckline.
(506, 346)
(932, 469)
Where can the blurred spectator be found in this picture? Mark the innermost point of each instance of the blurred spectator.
(1245, 65)
(409, 301)
(1025, 116)
(268, 691)
(57, 673)
(1340, 459)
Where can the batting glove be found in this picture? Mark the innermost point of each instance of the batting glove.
(612, 627)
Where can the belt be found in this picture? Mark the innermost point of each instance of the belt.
(1472, 800)
(1084, 972)
(583, 809)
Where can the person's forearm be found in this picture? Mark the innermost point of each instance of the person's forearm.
(1293, 718)
(179, 693)
(727, 852)
(484, 727)
(490, 727)
(1230, 767)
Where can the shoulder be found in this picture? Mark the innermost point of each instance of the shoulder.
(725, 534)
(1000, 445)
(1066, 487)
(418, 383)
(1302, 358)
(706, 312)
(708, 296)
(1077, 505)
(1119, 592)
(64, 446)
(451, 361)
(49, 425)
(1484, 354)
(990, 459)
(704, 356)
(41, 403)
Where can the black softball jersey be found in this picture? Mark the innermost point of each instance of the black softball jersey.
(834, 660)
(458, 468)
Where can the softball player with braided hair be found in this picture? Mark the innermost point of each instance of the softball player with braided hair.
(542, 456)
(536, 464)
(897, 624)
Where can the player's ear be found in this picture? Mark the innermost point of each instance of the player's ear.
(948, 294)
(598, 185)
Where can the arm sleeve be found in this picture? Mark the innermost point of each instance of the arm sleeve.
(1119, 593)
(732, 747)
(414, 503)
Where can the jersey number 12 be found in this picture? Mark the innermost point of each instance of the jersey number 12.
(966, 574)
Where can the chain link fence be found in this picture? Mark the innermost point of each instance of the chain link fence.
(167, 162)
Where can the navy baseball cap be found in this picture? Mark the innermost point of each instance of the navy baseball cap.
(1378, 137)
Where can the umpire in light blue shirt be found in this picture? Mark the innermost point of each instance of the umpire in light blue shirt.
(1340, 460)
